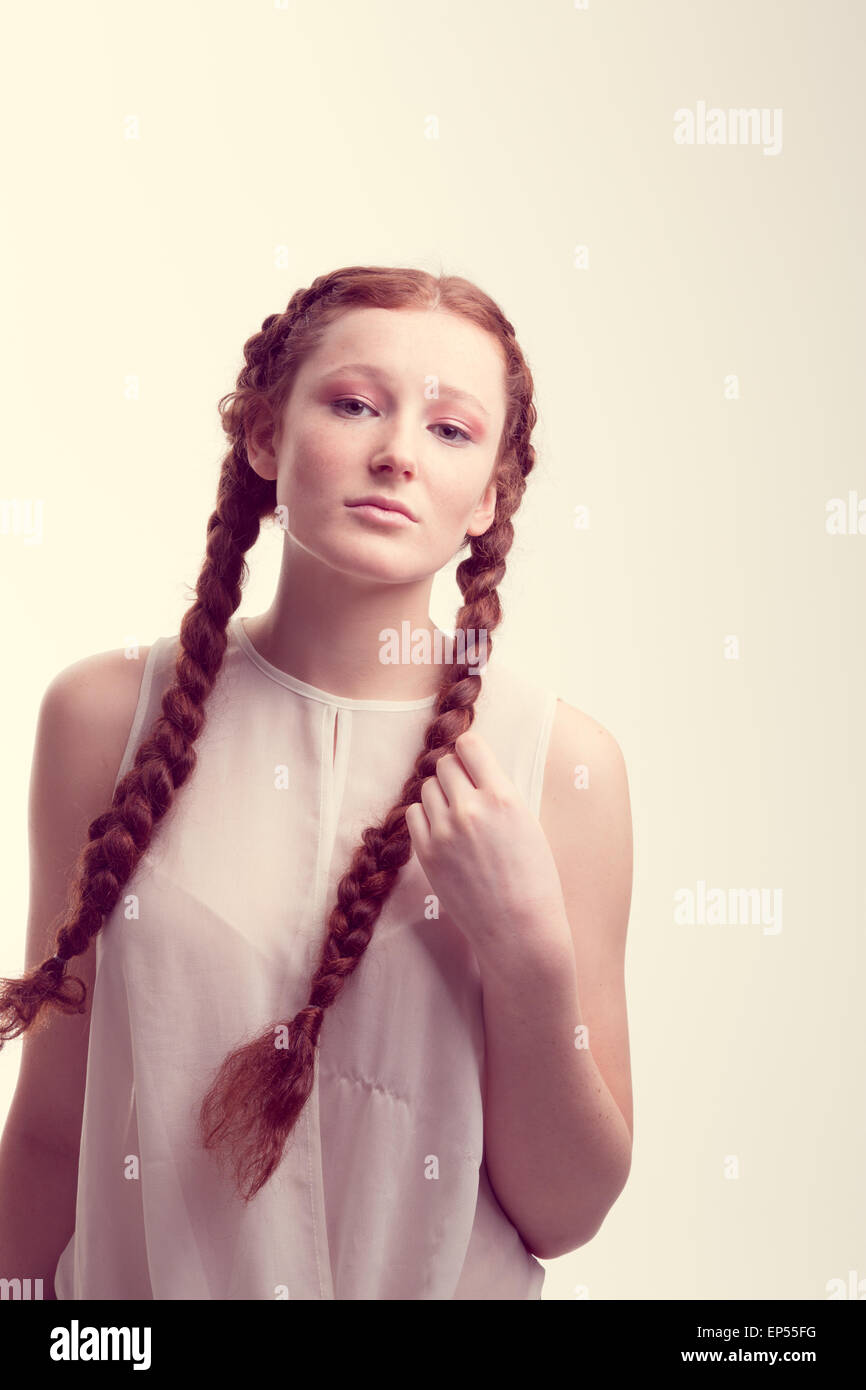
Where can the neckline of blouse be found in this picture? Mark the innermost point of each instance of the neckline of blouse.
(312, 692)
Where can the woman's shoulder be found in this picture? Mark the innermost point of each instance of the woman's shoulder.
(88, 708)
(576, 733)
(585, 787)
(98, 682)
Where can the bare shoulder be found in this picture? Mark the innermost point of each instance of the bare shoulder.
(83, 726)
(87, 711)
(582, 756)
(82, 729)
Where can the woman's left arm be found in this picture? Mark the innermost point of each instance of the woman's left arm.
(545, 903)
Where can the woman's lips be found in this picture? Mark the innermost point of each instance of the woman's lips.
(382, 514)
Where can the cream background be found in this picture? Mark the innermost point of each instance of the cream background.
(302, 127)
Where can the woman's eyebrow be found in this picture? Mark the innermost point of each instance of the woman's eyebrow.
(368, 369)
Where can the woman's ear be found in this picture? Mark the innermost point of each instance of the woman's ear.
(484, 512)
(260, 441)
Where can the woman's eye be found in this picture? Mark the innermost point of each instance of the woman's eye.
(353, 400)
(461, 432)
(447, 439)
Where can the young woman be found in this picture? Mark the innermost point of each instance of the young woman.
(354, 1026)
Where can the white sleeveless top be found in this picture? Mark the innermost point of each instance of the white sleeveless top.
(382, 1191)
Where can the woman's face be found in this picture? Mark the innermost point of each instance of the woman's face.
(364, 418)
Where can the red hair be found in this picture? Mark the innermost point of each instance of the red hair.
(259, 1090)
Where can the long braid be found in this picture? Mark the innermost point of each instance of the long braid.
(260, 1089)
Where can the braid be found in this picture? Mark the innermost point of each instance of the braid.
(260, 1090)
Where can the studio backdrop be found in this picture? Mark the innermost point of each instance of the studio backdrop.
(666, 201)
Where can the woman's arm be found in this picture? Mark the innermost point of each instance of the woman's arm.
(37, 1211)
(82, 729)
(558, 1119)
